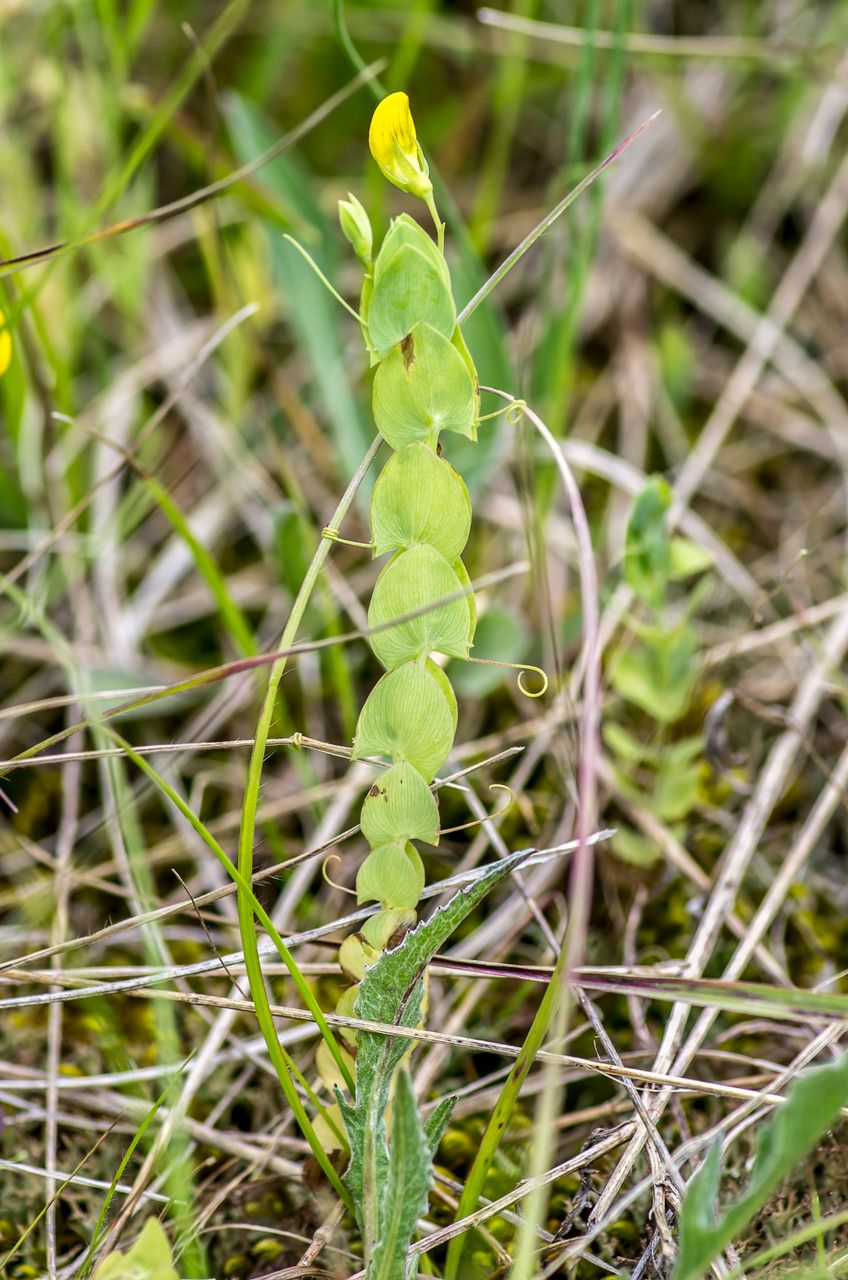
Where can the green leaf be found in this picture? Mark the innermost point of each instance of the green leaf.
(444, 684)
(624, 745)
(379, 931)
(411, 288)
(393, 875)
(632, 847)
(812, 1105)
(409, 583)
(682, 752)
(355, 954)
(647, 558)
(400, 806)
(658, 673)
(678, 363)
(485, 333)
(420, 498)
(422, 387)
(315, 317)
(675, 792)
(470, 603)
(410, 1173)
(150, 1258)
(687, 558)
(407, 717)
(405, 231)
(437, 1122)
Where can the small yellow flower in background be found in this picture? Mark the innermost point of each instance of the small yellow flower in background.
(394, 145)
(5, 347)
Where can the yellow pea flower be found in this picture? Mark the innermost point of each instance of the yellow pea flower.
(5, 347)
(394, 145)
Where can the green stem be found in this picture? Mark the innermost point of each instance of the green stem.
(440, 226)
(331, 289)
(253, 784)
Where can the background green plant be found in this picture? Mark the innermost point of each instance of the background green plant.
(636, 325)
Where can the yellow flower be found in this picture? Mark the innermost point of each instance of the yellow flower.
(395, 147)
(5, 347)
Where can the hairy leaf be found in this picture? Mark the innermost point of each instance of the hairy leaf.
(392, 991)
(437, 1122)
(409, 1175)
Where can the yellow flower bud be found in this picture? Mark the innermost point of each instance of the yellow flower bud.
(394, 145)
(5, 347)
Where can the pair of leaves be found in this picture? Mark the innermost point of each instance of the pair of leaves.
(420, 498)
(410, 584)
(812, 1105)
(410, 283)
(658, 672)
(424, 386)
(410, 715)
(400, 806)
(652, 558)
(393, 875)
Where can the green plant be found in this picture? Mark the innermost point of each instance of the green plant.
(424, 384)
(812, 1105)
(150, 1258)
(654, 672)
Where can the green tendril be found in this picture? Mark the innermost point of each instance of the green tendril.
(510, 412)
(328, 879)
(490, 817)
(523, 668)
(320, 274)
(333, 535)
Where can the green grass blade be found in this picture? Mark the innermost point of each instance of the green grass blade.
(812, 1105)
(137, 1137)
(263, 1014)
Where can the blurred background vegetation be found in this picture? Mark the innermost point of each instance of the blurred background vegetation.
(186, 402)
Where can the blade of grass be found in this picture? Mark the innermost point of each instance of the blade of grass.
(549, 219)
(312, 314)
(283, 1064)
(555, 366)
(147, 1120)
(507, 96)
